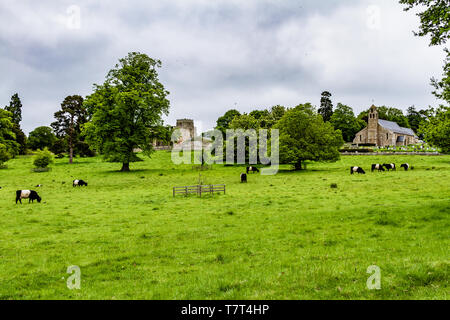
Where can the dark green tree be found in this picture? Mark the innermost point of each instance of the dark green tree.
(326, 106)
(41, 137)
(305, 136)
(344, 119)
(437, 130)
(127, 110)
(69, 121)
(15, 108)
(223, 123)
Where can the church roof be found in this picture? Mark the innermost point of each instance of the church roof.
(393, 126)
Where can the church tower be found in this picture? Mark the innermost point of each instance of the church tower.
(372, 134)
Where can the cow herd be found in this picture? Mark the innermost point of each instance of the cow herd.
(381, 168)
(32, 195)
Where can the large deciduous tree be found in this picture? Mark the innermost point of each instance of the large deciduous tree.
(435, 21)
(305, 136)
(127, 109)
(223, 123)
(344, 119)
(436, 130)
(326, 106)
(41, 137)
(68, 122)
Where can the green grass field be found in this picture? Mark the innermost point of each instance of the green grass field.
(289, 236)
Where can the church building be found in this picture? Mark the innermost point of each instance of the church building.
(383, 133)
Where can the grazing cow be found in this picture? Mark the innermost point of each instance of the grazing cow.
(378, 167)
(406, 166)
(390, 166)
(358, 170)
(39, 186)
(252, 169)
(79, 183)
(27, 194)
(243, 178)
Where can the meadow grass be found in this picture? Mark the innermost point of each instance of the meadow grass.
(296, 235)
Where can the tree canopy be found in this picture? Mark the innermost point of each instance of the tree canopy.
(41, 137)
(326, 106)
(435, 21)
(305, 136)
(437, 130)
(69, 121)
(344, 119)
(223, 123)
(126, 110)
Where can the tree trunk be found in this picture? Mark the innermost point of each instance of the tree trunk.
(298, 165)
(125, 167)
(71, 154)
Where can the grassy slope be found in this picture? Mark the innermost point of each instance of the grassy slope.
(288, 236)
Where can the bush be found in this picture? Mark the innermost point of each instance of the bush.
(43, 158)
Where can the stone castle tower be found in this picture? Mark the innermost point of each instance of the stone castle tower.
(187, 129)
(372, 134)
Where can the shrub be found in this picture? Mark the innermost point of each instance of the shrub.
(43, 158)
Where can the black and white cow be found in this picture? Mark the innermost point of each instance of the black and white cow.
(252, 169)
(358, 170)
(27, 194)
(378, 167)
(79, 183)
(243, 178)
(390, 166)
(406, 166)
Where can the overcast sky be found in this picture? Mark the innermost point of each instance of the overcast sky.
(218, 54)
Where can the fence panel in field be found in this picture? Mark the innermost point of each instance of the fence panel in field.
(199, 189)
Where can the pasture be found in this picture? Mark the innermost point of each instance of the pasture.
(289, 236)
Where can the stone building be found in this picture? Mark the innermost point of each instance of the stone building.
(383, 133)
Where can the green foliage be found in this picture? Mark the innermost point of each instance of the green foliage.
(43, 158)
(15, 107)
(442, 87)
(7, 136)
(305, 136)
(127, 109)
(435, 21)
(41, 137)
(326, 106)
(437, 130)
(223, 123)
(344, 119)
(69, 121)
(4, 154)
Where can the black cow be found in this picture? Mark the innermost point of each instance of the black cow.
(79, 183)
(243, 178)
(378, 167)
(358, 170)
(390, 166)
(252, 169)
(406, 166)
(27, 194)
